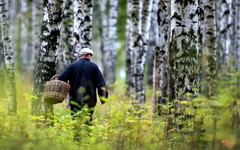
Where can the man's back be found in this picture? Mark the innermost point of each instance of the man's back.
(84, 77)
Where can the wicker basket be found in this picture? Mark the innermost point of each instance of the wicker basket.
(55, 91)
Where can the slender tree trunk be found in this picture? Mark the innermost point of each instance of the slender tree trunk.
(146, 23)
(68, 37)
(138, 57)
(200, 35)
(66, 40)
(183, 51)
(24, 37)
(1, 51)
(160, 70)
(153, 40)
(129, 51)
(110, 72)
(29, 38)
(209, 49)
(104, 35)
(78, 24)
(37, 7)
(109, 39)
(224, 32)
(8, 58)
(46, 61)
(236, 33)
(86, 34)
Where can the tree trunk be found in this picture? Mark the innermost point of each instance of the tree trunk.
(1, 51)
(68, 36)
(104, 36)
(129, 51)
(153, 40)
(37, 7)
(46, 61)
(200, 35)
(236, 33)
(78, 24)
(8, 58)
(110, 72)
(160, 70)
(29, 39)
(183, 51)
(224, 32)
(66, 40)
(138, 57)
(24, 35)
(209, 49)
(86, 34)
(109, 39)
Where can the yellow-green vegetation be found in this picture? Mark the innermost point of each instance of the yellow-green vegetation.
(196, 123)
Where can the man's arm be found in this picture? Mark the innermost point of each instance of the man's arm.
(66, 74)
(101, 86)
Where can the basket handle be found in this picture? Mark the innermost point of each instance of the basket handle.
(56, 75)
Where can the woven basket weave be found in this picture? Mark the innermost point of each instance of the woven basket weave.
(55, 91)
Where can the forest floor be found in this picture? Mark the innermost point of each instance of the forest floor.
(197, 123)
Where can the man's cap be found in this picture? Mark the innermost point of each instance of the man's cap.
(86, 51)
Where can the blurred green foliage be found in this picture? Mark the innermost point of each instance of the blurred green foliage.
(196, 123)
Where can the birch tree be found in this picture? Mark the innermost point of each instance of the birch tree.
(136, 45)
(153, 40)
(78, 23)
(129, 51)
(37, 7)
(183, 51)
(1, 51)
(8, 58)
(23, 36)
(235, 42)
(66, 40)
(224, 33)
(160, 70)
(140, 24)
(82, 27)
(109, 39)
(209, 49)
(46, 61)
(86, 34)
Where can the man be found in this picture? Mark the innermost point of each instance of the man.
(84, 78)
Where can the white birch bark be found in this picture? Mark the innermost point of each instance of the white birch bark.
(8, 58)
(78, 24)
(224, 33)
(153, 40)
(29, 39)
(24, 35)
(110, 57)
(160, 70)
(86, 33)
(200, 35)
(183, 51)
(138, 59)
(104, 34)
(129, 51)
(209, 49)
(66, 39)
(1, 50)
(236, 33)
(37, 7)
(146, 20)
(46, 61)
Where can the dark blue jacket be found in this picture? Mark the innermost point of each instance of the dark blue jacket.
(84, 78)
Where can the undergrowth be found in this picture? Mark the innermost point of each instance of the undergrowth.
(197, 123)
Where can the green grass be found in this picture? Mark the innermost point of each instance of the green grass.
(118, 125)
